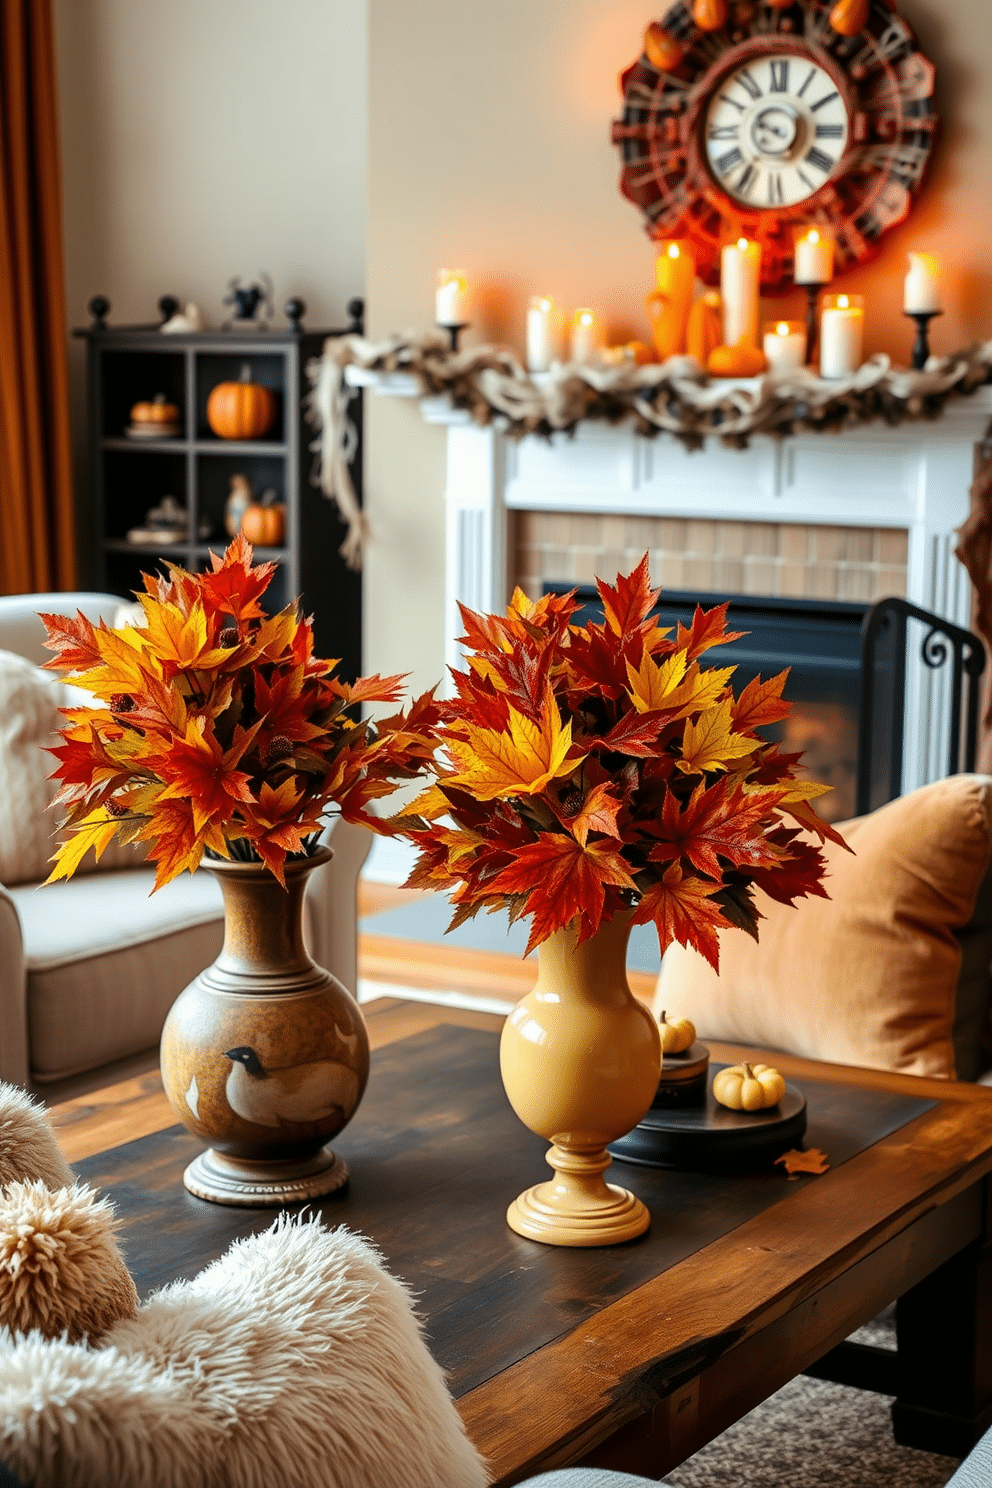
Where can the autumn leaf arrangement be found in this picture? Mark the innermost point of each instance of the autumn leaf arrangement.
(582, 770)
(214, 729)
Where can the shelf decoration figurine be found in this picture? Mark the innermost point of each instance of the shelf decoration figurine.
(921, 302)
(593, 777)
(216, 736)
(249, 301)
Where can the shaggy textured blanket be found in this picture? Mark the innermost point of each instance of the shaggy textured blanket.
(295, 1359)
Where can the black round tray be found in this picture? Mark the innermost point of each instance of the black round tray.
(710, 1137)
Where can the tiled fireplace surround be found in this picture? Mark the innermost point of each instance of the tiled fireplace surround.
(794, 560)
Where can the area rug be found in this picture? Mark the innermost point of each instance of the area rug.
(813, 1434)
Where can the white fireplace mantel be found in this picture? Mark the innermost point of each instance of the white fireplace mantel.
(914, 476)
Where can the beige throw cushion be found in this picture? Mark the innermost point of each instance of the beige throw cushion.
(30, 699)
(869, 976)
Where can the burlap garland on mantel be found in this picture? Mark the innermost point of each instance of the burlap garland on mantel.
(675, 397)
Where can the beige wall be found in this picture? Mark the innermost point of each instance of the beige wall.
(207, 138)
(489, 149)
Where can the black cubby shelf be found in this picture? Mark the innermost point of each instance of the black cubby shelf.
(131, 364)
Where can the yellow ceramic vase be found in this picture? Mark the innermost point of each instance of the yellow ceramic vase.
(580, 1059)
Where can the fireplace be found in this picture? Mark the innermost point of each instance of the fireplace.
(819, 640)
(841, 519)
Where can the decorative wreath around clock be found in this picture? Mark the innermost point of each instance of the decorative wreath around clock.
(744, 118)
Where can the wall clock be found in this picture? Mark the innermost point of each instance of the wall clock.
(751, 119)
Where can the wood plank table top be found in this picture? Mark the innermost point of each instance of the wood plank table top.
(633, 1355)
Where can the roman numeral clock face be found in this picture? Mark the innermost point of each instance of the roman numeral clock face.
(772, 122)
(775, 131)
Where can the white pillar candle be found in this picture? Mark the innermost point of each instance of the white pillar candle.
(784, 344)
(585, 336)
(740, 275)
(451, 300)
(842, 327)
(922, 288)
(541, 333)
(814, 258)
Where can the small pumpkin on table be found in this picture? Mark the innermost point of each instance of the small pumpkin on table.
(684, 1064)
(748, 1087)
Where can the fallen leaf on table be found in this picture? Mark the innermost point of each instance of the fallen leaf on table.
(812, 1161)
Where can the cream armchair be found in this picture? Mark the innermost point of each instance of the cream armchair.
(90, 968)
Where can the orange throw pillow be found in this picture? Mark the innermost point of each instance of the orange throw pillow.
(869, 976)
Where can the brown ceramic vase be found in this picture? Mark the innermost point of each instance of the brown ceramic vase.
(580, 1059)
(265, 1055)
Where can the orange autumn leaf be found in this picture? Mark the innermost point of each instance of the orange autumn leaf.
(682, 909)
(810, 1161)
(521, 761)
(761, 703)
(597, 813)
(563, 881)
(652, 685)
(711, 744)
(709, 628)
(630, 601)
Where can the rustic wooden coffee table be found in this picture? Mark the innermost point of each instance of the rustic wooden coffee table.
(635, 1356)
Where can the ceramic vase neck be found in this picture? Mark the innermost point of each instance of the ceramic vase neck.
(595, 971)
(263, 926)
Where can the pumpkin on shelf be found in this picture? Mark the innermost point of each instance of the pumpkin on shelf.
(241, 410)
(748, 1087)
(264, 521)
(677, 1034)
(741, 360)
(158, 411)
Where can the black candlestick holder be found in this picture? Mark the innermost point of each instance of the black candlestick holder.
(454, 331)
(812, 296)
(921, 346)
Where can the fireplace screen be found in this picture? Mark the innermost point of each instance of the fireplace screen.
(820, 641)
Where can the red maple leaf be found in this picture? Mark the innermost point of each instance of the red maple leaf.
(797, 873)
(73, 641)
(761, 703)
(631, 601)
(594, 657)
(715, 823)
(708, 629)
(563, 881)
(683, 910)
(233, 586)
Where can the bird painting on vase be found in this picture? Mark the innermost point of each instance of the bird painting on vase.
(292, 1095)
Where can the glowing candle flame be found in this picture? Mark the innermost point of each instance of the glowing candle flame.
(812, 236)
(584, 317)
(782, 328)
(843, 303)
(743, 244)
(673, 250)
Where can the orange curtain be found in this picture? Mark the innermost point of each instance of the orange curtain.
(37, 537)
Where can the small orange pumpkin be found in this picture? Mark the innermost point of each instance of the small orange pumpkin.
(709, 15)
(704, 330)
(661, 49)
(736, 361)
(848, 17)
(158, 411)
(241, 410)
(264, 522)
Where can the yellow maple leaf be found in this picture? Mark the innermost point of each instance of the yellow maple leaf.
(96, 830)
(710, 743)
(651, 685)
(701, 689)
(518, 761)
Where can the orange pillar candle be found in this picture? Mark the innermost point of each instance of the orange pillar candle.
(669, 303)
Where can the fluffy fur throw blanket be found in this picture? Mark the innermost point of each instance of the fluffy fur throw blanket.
(294, 1361)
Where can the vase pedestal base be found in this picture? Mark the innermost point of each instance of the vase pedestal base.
(265, 1184)
(577, 1207)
